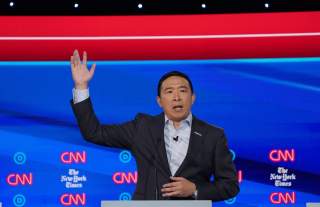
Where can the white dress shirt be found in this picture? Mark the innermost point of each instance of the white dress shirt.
(177, 141)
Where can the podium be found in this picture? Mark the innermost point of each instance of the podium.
(313, 204)
(159, 203)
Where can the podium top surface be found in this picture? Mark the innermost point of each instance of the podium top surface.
(313, 204)
(149, 203)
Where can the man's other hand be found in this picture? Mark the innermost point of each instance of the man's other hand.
(179, 187)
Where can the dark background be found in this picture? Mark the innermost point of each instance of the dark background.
(151, 7)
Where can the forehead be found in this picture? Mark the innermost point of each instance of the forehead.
(175, 81)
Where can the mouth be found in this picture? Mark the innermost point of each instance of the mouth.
(177, 108)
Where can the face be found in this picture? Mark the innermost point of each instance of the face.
(176, 98)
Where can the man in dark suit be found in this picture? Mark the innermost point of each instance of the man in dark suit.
(176, 153)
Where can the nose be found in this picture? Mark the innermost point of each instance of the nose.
(176, 96)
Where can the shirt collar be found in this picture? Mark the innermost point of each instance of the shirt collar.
(187, 120)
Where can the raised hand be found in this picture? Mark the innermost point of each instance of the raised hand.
(80, 73)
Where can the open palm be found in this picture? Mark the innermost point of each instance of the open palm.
(80, 73)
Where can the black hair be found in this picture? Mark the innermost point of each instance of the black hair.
(173, 73)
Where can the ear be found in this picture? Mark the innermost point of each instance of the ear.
(193, 98)
(159, 101)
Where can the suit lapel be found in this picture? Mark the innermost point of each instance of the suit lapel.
(157, 131)
(195, 144)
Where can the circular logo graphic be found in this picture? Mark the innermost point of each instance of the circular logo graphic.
(19, 200)
(19, 158)
(125, 196)
(231, 200)
(125, 156)
(212, 178)
(233, 154)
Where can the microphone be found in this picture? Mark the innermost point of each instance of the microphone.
(175, 138)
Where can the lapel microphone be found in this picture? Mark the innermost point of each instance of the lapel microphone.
(175, 138)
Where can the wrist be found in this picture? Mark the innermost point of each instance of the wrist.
(81, 86)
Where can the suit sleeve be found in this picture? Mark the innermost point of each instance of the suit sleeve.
(225, 184)
(120, 136)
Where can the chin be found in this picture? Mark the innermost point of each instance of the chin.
(180, 117)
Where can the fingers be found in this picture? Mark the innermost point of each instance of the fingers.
(81, 68)
(84, 60)
(72, 65)
(180, 187)
(171, 190)
(174, 193)
(72, 61)
(92, 69)
(172, 184)
(76, 58)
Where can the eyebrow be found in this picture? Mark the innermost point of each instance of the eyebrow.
(183, 87)
(170, 87)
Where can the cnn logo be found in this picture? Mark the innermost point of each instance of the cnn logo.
(15, 179)
(240, 176)
(69, 199)
(73, 157)
(286, 155)
(122, 177)
(283, 198)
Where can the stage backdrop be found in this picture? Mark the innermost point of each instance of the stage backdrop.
(269, 108)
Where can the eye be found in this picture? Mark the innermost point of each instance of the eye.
(183, 90)
(169, 91)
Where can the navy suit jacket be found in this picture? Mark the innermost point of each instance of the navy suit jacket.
(207, 154)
